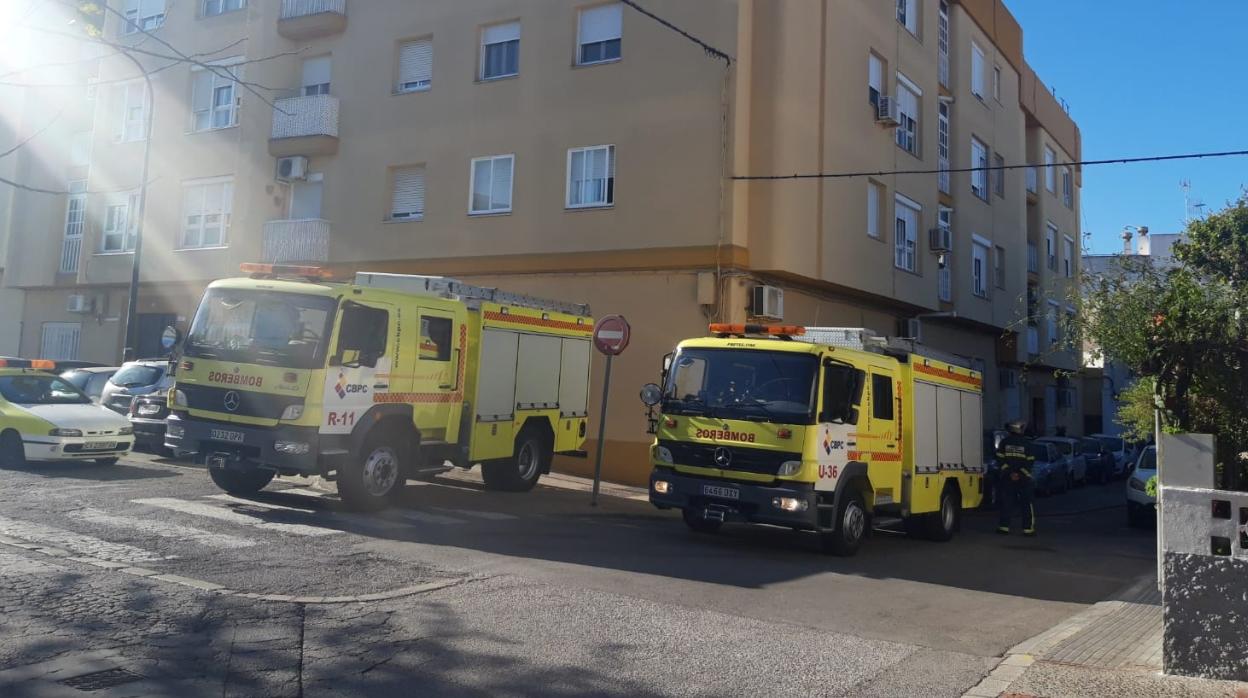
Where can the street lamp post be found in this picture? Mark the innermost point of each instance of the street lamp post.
(130, 350)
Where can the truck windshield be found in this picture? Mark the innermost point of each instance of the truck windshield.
(267, 327)
(765, 386)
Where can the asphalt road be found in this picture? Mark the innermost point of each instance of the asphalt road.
(145, 568)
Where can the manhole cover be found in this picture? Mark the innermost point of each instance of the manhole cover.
(102, 679)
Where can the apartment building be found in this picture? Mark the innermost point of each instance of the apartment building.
(584, 151)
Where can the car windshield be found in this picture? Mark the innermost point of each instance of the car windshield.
(137, 375)
(78, 379)
(1038, 451)
(1113, 443)
(1148, 460)
(1092, 446)
(1063, 447)
(766, 386)
(40, 389)
(269, 327)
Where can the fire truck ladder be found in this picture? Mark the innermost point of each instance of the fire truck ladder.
(444, 287)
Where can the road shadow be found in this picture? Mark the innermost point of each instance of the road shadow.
(90, 470)
(1078, 558)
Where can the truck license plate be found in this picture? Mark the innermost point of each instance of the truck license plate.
(99, 445)
(235, 437)
(721, 492)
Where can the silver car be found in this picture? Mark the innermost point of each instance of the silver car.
(1072, 453)
(135, 378)
(1049, 471)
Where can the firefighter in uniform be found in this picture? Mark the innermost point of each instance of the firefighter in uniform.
(1015, 486)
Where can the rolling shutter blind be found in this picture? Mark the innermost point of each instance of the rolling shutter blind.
(875, 73)
(409, 193)
(415, 64)
(599, 23)
(316, 71)
(499, 33)
(500, 190)
(977, 70)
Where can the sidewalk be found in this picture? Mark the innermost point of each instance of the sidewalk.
(1112, 648)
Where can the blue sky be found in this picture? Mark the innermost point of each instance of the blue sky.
(1146, 77)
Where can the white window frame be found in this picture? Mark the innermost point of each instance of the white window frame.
(132, 130)
(224, 6)
(876, 70)
(75, 226)
(906, 241)
(418, 83)
(1050, 174)
(618, 9)
(608, 186)
(492, 161)
(1068, 188)
(981, 251)
(979, 63)
(217, 81)
(875, 206)
(140, 16)
(908, 15)
(943, 110)
(979, 177)
(128, 205)
(908, 133)
(484, 46)
(227, 206)
(405, 216)
(1068, 253)
(1050, 242)
(312, 89)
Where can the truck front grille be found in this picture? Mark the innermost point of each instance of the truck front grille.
(744, 460)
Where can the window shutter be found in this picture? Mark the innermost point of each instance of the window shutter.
(316, 71)
(601, 23)
(873, 209)
(875, 73)
(499, 33)
(409, 193)
(201, 91)
(977, 70)
(500, 190)
(415, 63)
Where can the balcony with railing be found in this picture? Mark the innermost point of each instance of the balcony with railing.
(305, 126)
(1033, 185)
(311, 19)
(71, 250)
(289, 241)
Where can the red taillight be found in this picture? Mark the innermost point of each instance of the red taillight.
(187, 366)
(785, 433)
(669, 422)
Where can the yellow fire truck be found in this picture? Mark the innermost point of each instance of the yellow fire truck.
(380, 380)
(819, 429)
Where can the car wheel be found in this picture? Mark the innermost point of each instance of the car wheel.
(12, 452)
(697, 522)
(241, 482)
(852, 524)
(107, 461)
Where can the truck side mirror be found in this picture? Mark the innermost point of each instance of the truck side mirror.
(170, 338)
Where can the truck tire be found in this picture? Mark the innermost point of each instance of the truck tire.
(368, 481)
(521, 472)
(852, 522)
(241, 482)
(12, 452)
(696, 522)
(948, 518)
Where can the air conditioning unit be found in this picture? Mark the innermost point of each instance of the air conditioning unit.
(941, 239)
(292, 168)
(767, 302)
(886, 112)
(910, 328)
(79, 303)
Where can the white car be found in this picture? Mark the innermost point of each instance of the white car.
(1072, 451)
(44, 417)
(1141, 505)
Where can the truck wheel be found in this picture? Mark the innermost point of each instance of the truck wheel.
(696, 522)
(12, 452)
(945, 522)
(521, 472)
(851, 527)
(368, 481)
(241, 482)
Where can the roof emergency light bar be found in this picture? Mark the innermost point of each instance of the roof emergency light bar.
(270, 270)
(724, 329)
(40, 364)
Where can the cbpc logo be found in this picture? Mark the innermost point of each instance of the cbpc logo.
(343, 388)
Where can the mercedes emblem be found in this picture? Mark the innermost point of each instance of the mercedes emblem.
(232, 401)
(723, 457)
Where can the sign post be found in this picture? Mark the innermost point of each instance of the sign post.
(611, 336)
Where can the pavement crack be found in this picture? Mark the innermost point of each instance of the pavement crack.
(303, 625)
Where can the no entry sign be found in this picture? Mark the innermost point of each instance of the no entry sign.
(611, 335)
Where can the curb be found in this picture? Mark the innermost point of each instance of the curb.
(213, 588)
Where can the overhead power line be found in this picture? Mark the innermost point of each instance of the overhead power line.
(710, 50)
(951, 170)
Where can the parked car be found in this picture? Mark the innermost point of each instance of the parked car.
(45, 418)
(1049, 471)
(1117, 446)
(1072, 452)
(1099, 458)
(1141, 505)
(135, 378)
(147, 416)
(90, 380)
